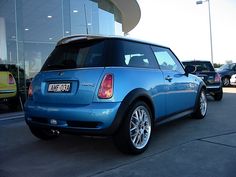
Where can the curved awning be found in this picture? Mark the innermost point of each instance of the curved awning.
(130, 12)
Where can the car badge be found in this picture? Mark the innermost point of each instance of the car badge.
(61, 73)
(53, 122)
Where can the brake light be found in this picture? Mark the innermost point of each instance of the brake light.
(11, 79)
(30, 91)
(106, 88)
(217, 77)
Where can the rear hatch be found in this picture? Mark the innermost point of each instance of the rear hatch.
(71, 74)
(208, 76)
(204, 70)
(70, 87)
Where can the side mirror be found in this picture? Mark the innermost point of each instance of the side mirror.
(189, 69)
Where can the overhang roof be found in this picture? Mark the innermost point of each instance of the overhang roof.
(130, 12)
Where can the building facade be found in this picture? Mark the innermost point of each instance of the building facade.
(29, 29)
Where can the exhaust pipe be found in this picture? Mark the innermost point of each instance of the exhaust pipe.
(55, 132)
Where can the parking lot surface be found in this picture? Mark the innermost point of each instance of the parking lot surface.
(184, 147)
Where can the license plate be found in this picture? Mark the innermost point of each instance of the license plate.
(64, 87)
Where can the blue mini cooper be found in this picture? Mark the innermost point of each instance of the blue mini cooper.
(112, 86)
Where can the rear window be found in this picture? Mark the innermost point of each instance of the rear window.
(200, 66)
(76, 55)
(101, 53)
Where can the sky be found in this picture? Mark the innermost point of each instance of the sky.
(184, 27)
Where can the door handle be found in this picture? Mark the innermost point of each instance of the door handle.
(168, 78)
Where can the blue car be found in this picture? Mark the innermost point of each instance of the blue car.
(226, 71)
(111, 86)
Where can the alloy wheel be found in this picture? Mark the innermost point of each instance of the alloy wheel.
(203, 103)
(226, 82)
(140, 127)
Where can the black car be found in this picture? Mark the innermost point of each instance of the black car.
(226, 71)
(212, 79)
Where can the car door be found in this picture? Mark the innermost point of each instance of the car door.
(180, 88)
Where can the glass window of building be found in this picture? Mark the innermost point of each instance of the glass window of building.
(29, 31)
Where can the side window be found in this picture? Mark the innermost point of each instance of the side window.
(167, 60)
(136, 54)
(234, 67)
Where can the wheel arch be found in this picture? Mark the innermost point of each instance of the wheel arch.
(226, 76)
(201, 86)
(138, 94)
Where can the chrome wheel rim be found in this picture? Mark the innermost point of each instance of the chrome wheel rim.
(226, 82)
(140, 127)
(203, 104)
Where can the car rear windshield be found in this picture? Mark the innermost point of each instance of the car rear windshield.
(200, 66)
(86, 53)
(100, 53)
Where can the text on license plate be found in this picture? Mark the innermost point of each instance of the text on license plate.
(65, 87)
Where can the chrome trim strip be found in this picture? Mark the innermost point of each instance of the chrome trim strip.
(213, 87)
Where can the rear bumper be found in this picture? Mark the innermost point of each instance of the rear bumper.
(6, 97)
(95, 119)
(214, 89)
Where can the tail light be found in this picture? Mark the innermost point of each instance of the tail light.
(217, 77)
(30, 91)
(106, 88)
(11, 79)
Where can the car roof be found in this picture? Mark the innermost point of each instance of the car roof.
(94, 37)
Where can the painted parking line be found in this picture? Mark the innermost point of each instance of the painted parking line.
(12, 117)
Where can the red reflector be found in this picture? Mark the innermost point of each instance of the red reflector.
(106, 88)
(11, 79)
(30, 91)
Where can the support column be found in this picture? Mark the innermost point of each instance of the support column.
(3, 40)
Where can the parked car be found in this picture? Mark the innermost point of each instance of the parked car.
(8, 88)
(226, 71)
(112, 86)
(19, 75)
(207, 73)
(233, 80)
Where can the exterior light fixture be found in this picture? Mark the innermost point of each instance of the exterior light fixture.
(209, 11)
(199, 2)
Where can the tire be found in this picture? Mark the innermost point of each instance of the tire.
(226, 81)
(219, 95)
(201, 107)
(44, 134)
(134, 134)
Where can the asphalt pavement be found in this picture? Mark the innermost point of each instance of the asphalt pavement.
(184, 147)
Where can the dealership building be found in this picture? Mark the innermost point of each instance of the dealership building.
(29, 29)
